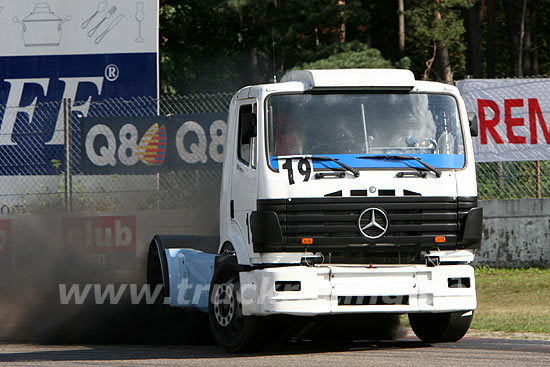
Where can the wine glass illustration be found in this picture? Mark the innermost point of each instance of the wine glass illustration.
(140, 15)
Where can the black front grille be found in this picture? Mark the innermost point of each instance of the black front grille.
(332, 223)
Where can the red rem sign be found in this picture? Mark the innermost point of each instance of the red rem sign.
(514, 118)
(107, 241)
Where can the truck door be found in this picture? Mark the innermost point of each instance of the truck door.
(244, 179)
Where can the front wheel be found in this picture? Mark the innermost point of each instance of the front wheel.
(232, 330)
(440, 327)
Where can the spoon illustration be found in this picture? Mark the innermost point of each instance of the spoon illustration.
(107, 16)
(100, 9)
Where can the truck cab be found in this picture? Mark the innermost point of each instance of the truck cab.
(347, 192)
(306, 157)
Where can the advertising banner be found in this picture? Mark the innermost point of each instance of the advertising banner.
(106, 241)
(514, 118)
(143, 145)
(86, 51)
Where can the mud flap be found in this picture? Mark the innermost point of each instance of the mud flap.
(190, 273)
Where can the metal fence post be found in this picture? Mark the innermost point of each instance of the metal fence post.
(68, 156)
(538, 180)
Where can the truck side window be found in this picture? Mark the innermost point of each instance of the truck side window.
(243, 151)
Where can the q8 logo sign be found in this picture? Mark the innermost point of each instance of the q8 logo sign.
(141, 145)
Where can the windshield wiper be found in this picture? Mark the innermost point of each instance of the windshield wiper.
(404, 158)
(320, 158)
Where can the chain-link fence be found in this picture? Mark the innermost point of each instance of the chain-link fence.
(167, 189)
(34, 161)
(513, 180)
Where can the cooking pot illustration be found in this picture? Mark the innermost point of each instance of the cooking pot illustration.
(42, 27)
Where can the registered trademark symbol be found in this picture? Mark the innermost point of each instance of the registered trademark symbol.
(111, 72)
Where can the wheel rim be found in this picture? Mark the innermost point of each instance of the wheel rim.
(225, 304)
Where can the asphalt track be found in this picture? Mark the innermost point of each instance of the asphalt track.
(409, 351)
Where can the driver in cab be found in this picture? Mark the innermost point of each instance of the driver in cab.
(288, 139)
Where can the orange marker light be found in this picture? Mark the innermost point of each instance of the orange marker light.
(440, 239)
(307, 241)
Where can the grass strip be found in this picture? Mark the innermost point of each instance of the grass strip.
(513, 300)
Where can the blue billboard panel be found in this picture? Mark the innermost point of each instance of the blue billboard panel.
(32, 125)
(145, 145)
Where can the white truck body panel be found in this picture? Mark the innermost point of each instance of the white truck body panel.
(426, 289)
(353, 78)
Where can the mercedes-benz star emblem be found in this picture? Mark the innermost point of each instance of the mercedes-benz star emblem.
(373, 223)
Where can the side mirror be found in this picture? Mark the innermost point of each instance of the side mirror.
(248, 124)
(472, 118)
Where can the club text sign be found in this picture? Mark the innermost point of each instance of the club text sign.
(108, 241)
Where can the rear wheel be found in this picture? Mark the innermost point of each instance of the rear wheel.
(440, 327)
(231, 329)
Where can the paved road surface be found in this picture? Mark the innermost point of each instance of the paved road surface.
(406, 352)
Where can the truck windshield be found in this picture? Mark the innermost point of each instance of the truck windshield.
(349, 125)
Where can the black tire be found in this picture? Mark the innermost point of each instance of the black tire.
(440, 327)
(231, 330)
(156, 279)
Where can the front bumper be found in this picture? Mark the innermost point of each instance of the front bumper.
(333, 289)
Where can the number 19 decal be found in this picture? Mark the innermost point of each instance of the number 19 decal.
(304, 168)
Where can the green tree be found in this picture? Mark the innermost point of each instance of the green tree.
(202, 46)
(355, 55)
(305, 31)
(225, 44)
(436, 31)
(221, 45)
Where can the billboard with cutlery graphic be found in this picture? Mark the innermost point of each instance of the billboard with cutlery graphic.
(84, 50)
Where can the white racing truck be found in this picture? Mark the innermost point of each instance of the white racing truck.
(343, 192)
